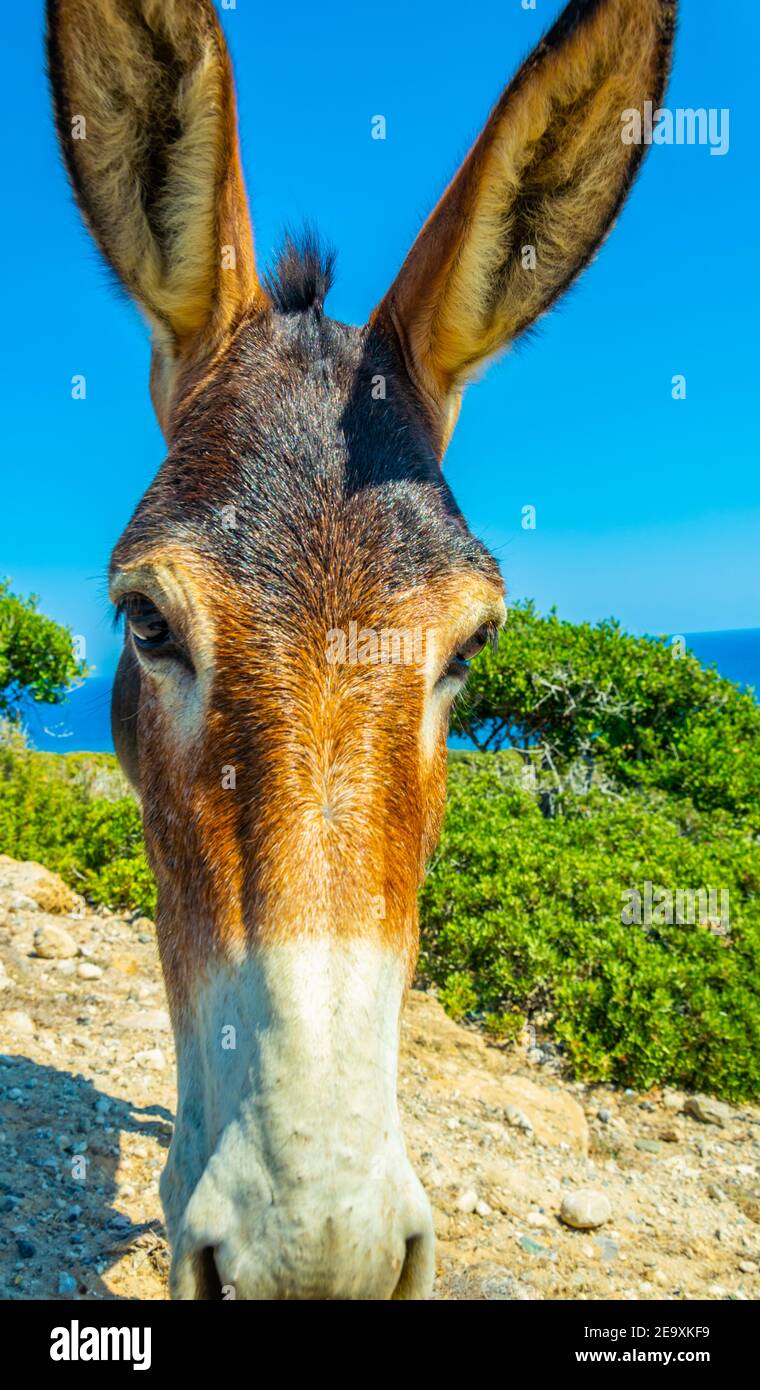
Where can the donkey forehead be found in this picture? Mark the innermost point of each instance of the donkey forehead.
(302, 453)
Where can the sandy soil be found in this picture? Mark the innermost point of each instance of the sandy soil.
(499, 1137)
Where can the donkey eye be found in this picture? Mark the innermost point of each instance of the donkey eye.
(460, 662)
(476, 643)
(149, 628)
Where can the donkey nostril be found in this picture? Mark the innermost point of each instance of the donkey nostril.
(208, 1283)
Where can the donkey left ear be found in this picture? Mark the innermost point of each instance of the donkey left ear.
(533, 200)
(145, 109)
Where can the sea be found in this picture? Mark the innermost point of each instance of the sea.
(82, 722)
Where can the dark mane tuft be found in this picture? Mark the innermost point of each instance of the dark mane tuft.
(302, 275)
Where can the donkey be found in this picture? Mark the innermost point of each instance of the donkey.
(290, 800)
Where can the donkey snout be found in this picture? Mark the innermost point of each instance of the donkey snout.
(375, 1243)
(288, 1177)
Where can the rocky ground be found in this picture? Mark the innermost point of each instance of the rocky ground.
(510, 1151)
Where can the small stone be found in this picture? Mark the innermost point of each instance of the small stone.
(604, 1116)
(54, 943)
(152, 1057)
(20, 902)
(708, 1111)
(25, 1249)
(747, 1267)
(649, 1146)
(148, 1021)
(67, 1284)
(88, 971)
(483, 1209)
(443, 1224)
(607, 1248)
(467, 1202)
(532, 1247)
(517, 1118)
(144, 928)
(673, 1100)
(717, 1193)
(539, 1221)
(585, 1209)
(17, 1021)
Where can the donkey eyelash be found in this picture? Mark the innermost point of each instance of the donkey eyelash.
(458, 665)
(159, 640)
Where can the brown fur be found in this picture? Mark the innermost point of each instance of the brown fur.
(337, 802)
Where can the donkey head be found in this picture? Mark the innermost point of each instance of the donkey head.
(302, 597)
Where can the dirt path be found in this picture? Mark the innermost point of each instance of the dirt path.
(87, 1089)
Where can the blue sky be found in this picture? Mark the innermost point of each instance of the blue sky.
(647, 508)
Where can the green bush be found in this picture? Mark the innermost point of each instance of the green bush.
(642, 708)
(52, 809)
(522, 918)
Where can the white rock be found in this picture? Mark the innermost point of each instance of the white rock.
(585, 1209)
(17, 1021)
(483, 1209)
(148, 1021)
(517, 1118)
(87, 971)
(21, 903)
(54, 943)
(468, 1200)
(709, 1111)
(152, 1057)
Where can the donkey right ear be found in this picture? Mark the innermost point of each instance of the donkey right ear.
(145, 110)
(534, 199)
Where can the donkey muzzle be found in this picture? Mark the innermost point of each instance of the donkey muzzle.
(288, 1177)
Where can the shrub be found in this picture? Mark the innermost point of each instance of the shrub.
(48, 812)
(522, 918)
(652, 717)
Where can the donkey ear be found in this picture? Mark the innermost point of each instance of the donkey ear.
(534, 198)
(145, 109)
